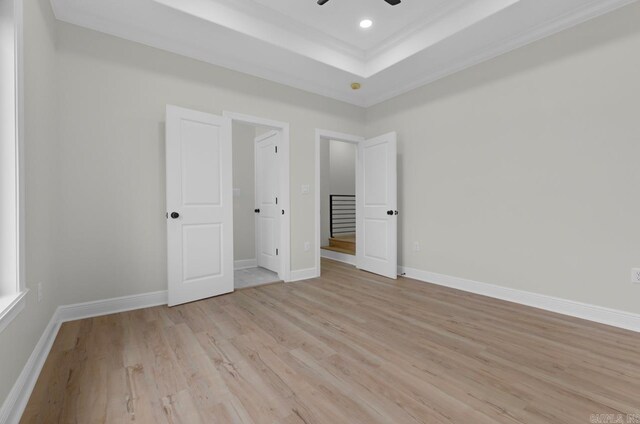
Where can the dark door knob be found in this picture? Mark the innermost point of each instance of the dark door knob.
(389, 212)
(256, 210)
(175, 215)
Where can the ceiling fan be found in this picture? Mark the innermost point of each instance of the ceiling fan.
(391, 2)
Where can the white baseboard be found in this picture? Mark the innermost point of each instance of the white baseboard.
(303, 274)
(111, 306)
(613, 317)
(337, 256)
(245, 263)
(13, 407)
(16, 401)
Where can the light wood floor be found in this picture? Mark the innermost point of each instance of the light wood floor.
(349, 347)
(345, 243)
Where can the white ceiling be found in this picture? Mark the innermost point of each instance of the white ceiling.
(322, 49)
(340, 18)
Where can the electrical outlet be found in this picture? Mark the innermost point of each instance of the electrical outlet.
(39, 292)
(307, 246)
(635, 275)
(305, 189)
(416, 246)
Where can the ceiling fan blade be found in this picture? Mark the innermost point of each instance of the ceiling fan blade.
(391, 2)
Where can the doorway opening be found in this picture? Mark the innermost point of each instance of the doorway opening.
(260, 200)
(375, 213)
(338, 200)
(336, 219)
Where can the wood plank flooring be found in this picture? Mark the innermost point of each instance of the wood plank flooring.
(350, 347)
(345, 243)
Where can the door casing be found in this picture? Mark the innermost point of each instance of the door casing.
(324, 136)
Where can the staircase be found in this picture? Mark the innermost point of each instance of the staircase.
(342, 224)
(345, 243)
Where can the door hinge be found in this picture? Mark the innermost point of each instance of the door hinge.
(277, 252)
(276, 149)
(276, 200)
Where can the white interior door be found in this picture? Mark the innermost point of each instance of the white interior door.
(376, 203)
(267, 208)
(199, 205)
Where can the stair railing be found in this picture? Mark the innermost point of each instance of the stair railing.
(342, 214)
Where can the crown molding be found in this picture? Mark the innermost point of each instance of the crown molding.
(322, 71)
(537, 33)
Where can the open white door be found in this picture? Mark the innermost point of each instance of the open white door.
(376, 203)
(267, 209)
(199, 205)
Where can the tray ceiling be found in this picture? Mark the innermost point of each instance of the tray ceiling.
(322, 49)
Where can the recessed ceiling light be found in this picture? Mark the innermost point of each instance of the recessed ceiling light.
(366, 23)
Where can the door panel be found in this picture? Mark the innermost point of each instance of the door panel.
(200, 147)
(199, 190)
(207, 240)
(267, 184)
(375, 175)
(376, 231)
(376, 189)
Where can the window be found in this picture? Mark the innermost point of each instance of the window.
(12, 289)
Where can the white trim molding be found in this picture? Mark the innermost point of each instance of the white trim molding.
(11, 307)
(110, 306)
(245, 264)
(452, 37)
(338, 256)
(599, 314)
(20, 149)
(15, 403)
(303, 274)
(14, 301)
(584, 13)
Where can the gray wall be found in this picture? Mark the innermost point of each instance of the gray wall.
(244, 221)
(343, 168)
(523, 171)
(112, 101)
(20, 337)
(94, 115)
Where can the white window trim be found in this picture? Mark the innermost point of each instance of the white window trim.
(10, 306)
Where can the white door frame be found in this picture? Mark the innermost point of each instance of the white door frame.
(326, 136)
(285, 196)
